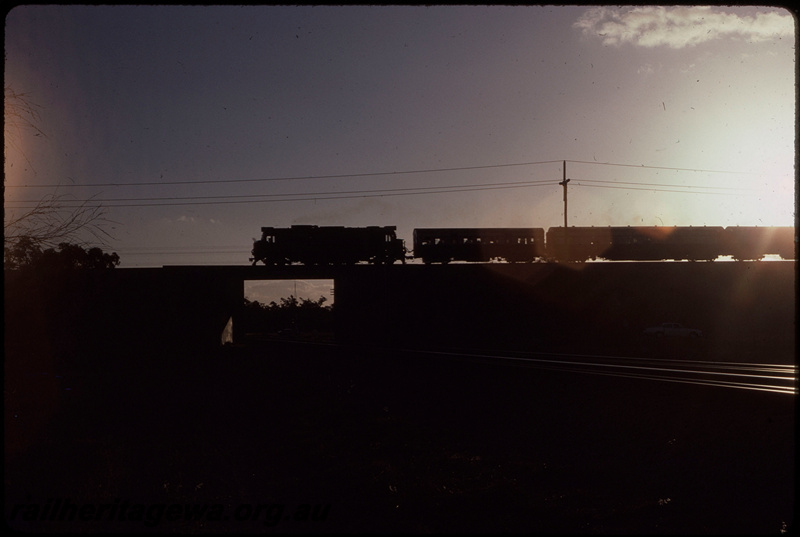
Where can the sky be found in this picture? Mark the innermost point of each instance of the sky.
(194, 126)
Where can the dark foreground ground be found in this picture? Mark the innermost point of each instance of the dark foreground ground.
(286, 439)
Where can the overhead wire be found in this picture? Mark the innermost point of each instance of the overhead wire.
(308, 197)
(292, 178)
(665, 184)
(320, 195)
(370, 174)
(578, 183)
(660, 167)
(329, 195)
(195, 252)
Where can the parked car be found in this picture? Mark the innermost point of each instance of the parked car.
(672, 330)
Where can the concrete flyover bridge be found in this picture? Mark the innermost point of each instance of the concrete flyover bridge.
(472, 304)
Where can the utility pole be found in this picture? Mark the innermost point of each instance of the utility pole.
(564, 184)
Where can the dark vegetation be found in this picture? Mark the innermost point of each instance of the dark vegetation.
(26, 254)
(391, 441)
(52, 312)
(397, 443)
(50, 304)
(294, 317)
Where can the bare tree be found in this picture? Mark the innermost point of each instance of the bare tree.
(19, 113)
(51, 220)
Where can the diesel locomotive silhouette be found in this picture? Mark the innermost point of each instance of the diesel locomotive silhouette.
(337, 245)
(328, 245)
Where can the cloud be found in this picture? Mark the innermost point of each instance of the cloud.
(646, 69)
(680, 26)
(186, 219)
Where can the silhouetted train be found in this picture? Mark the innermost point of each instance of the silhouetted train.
(315, 245)
(328, 245)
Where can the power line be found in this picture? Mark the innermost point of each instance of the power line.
(321, 196)
(662, 190)
(368, 174)
(666, 184)
(329, 195)
(123, 251)
(290, 178)
(254, 198)
(661, 167)
(373, 191)
(183, 248)
(311, 197)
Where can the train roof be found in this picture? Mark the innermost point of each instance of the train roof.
(478, 229)
(313, 226)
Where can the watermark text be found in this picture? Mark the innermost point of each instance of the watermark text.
(154, 514)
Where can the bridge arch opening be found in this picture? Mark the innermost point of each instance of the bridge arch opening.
(287, 309)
